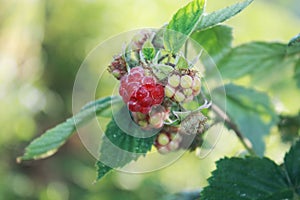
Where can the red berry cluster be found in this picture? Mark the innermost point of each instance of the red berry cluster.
(140, 92)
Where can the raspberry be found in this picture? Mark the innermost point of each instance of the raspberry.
(183, 86)
(155, 119)
(118, 67)
(140, 92)
(168, 140)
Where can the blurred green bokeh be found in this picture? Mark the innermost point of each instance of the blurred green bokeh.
(43, 43)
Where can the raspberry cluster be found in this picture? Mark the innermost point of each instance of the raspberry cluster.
(168, 140)
(153, 84)
(140, 92)
(183, 87)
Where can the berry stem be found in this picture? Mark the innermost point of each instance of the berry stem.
(162, 58)
(233, 126)
(186, 48)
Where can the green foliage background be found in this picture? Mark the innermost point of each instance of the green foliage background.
(42, 44)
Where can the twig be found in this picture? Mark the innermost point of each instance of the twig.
(227, 120)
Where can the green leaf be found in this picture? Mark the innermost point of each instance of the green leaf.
(294, 45)
(251, 111)
(292, 165)
(255, 178)
(247, 179)
(162, 71)
(297, 73)
(181, 63)
(216, 40)
(252, 59)
(148, 50)
(48, 143)
(118, 147)
(222, 15)
(182, 25)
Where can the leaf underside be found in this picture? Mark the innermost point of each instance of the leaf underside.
(256, 58)
(222, 15)
(216, 40)
(48, 143)
(251, 111)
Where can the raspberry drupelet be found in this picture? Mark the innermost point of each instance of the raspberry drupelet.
(140, 92)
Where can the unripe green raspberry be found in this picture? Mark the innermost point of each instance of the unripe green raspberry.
(169, 91)
(174, 80)
(186, 81)
(179, 96)
(163, 139)
(196, 85)
(168, 140)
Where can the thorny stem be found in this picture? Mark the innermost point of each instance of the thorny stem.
(227, 120)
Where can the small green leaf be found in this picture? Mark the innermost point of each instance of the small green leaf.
(148, 50)
(248, 179)
(182, 25)
(256, 58)
(216, 40)
(251, 111)
(162, 71)
(292, 166)
(297, 73)
(181, 63)
(48, 143)
(294, 45)
(118, 147)
(222, 15)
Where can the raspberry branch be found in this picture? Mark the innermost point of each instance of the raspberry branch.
(246, 143)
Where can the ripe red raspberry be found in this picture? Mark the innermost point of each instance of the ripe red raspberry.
(140, 92)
